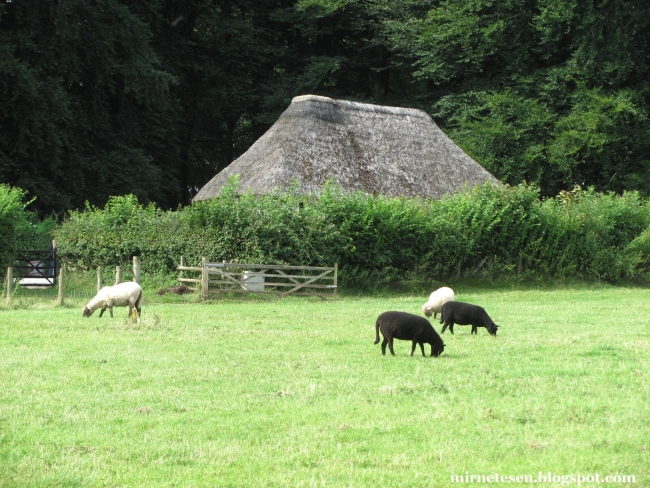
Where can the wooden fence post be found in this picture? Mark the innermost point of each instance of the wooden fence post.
(118, 275)
(100, 277)
(10, 283)
(136, 269)
(336, 272)
(59, 299)
(205, 277)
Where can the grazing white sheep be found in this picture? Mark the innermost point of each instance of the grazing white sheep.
(121, 295)
(436, 300)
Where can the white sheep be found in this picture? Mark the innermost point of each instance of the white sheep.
(120, 295)
(436, 300)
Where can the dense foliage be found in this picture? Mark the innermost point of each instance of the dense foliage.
(20, 229)
(490, 231)
(108, 97)
(548, 91)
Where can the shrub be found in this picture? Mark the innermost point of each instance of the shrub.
(20, 229)
(499, 230)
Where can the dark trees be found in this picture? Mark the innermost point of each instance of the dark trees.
(86, 105)
(549, 91)
(109, 97)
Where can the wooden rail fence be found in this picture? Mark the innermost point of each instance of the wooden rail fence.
(40, 277)
(264, 280)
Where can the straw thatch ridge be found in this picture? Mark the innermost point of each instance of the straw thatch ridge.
(380, 150)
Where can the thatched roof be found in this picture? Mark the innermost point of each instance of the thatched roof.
(380, 150)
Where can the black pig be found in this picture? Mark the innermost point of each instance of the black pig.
(466, 314)
(408, 327)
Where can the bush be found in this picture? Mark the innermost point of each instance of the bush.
(490, 230)
(586, 234)
(20, 229)
(7, 240)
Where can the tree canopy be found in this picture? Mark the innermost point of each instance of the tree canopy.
(109, 97)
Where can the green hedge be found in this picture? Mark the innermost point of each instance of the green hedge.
(493, 230)
(20, 229)
(7, 241)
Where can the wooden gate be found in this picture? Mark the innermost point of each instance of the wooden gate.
(264, 280)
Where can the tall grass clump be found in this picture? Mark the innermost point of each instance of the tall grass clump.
(489, 231)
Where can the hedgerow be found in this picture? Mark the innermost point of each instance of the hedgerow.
(20, 229)
(489, 231)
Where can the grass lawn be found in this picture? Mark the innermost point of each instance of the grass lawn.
(294, 393)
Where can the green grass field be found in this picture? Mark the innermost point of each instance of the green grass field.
(294, 393)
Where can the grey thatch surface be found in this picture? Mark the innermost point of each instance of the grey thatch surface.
(381, 150)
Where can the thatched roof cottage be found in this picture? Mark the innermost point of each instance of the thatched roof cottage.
(380, 150)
